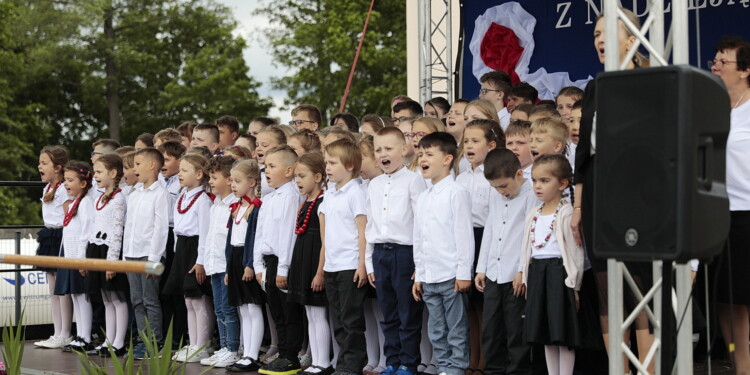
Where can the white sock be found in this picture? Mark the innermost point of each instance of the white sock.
(425, 346)
(203, 319)
(320, 336)
(381, 338)
(252, 334)
(273, 349)
(567, 360)
(55, 305)
(371, 334)
(192, 322)
(84, 316)
(116, 319)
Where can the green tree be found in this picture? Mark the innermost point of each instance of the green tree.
(317, 40)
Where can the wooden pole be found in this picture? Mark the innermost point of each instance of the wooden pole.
(119, 266)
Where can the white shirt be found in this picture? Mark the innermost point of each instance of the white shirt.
(527, 172)
(214, 258)
(443, 236)
(571, 154)
(390, 206)
(264, 188)
(504, 116)
(502, 242)
(52, 211)
(479, 190)
(195, 221)
(76, 233)
(126, 190)
(341, 241)
(738, 157)
(275, 231)
(464, 164)
(239, 227)
(147, 223)
(552, 248)
(172, 185)
(108, 225)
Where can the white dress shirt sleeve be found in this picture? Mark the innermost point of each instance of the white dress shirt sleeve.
(118, 224)
(484, 250)
(285, 222)
(418, 261)
(464, 234)
(161, 226)
(258, 264)
(369, 229)
(204, 223)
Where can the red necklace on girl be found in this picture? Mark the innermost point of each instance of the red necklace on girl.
(69, 213)
(107, 202)
(299, 230)
(192, 202)
(49, 186)
(255, 202)
(551, 226)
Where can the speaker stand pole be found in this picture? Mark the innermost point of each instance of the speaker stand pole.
(684, 314)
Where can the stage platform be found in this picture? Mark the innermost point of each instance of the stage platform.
(37, 361)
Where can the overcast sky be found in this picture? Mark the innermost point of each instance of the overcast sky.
(257, 53)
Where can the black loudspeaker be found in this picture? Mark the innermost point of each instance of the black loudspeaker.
(659, 190)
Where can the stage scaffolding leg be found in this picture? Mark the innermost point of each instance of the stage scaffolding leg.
(684, 316)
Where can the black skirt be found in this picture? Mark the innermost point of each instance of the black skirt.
(50, 242)
(241, 292)
(68, 281)
(96, 281)
(476, 298)
(734, 262)
(180, 282)
(302, 270)
(551, 317)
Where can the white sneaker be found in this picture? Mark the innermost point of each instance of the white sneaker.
(41, 343)
(58, 342)
(228, 358)
(181, 355)
(210, 361)
(305, 361)
(266, 359)
(196, 354)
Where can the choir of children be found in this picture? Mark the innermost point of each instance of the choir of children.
(327, 228)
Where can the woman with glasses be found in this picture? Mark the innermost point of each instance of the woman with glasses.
(732, 65)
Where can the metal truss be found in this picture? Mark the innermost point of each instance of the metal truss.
(435, 50)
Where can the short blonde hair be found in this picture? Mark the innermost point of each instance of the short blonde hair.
(554, 127)
(167, 135)
(348, 152)
(434, 124)
(484, 106)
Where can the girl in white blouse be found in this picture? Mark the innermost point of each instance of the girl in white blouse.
(105, 242)
(187, 276)
(52, 160)
(77, 223)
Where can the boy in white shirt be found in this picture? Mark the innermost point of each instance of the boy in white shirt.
(145, 239)
(391, 202)
(342, 224)
(504, 349)
(444, 253)
(274, 242)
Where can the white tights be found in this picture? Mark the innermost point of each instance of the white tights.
(373, 334)
(199, 321)
(319, 336)
(84, 316)
(116, 317)
(62, 309)
(560, 359)
(252, 329)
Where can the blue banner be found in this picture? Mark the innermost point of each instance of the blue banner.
(555, 42)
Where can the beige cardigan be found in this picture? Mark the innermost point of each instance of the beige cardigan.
(572, 254)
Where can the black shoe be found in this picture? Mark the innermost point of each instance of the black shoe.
(105, 353)
(251, 365)
(73, 344)
(281, 366)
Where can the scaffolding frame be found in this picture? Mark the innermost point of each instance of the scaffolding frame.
(435, 49)
(659, 49)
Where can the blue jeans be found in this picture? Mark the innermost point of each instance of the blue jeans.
(447, 326)
(226, 315)
(402, 315)
(144, 295)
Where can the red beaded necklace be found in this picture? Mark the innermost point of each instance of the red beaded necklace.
(299, 230)
(255, 202)
(70, 212)
(192, 202)
(107, 202)
(49, 186)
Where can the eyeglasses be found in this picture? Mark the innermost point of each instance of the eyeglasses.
(398, 119)
(485, 91)
(94, 153)
(299, 122)
(720, 62)
(417, 134)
